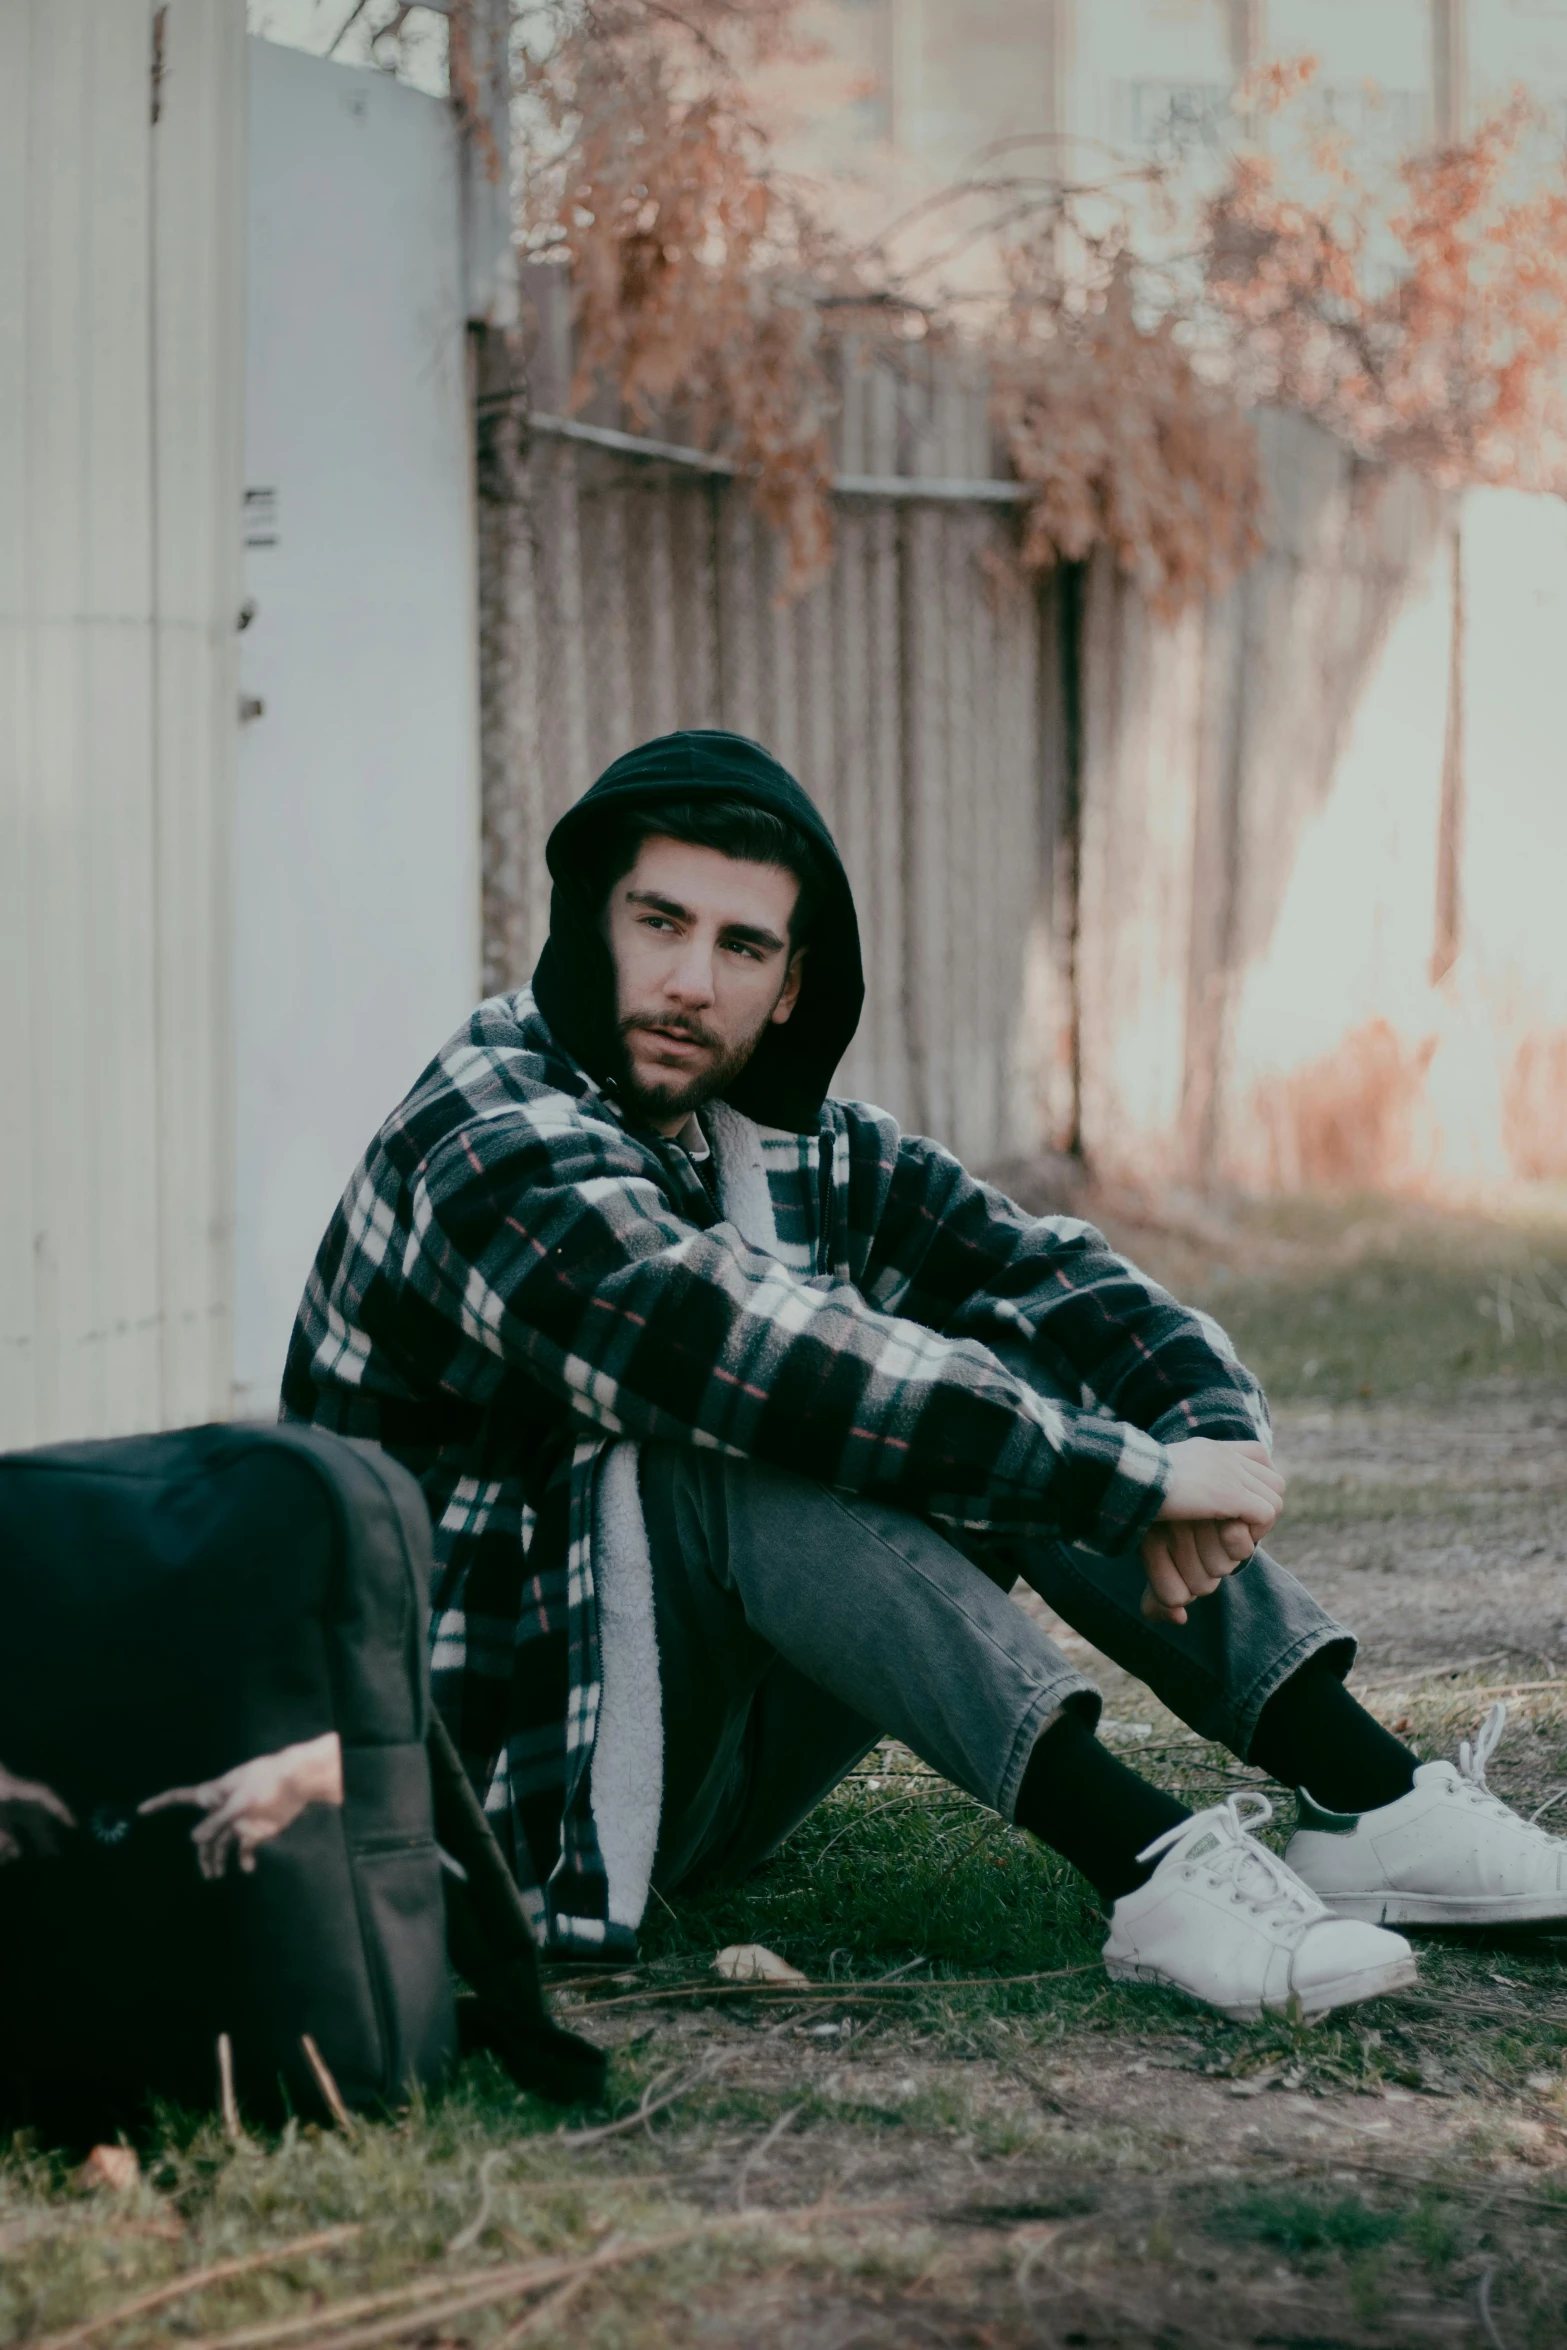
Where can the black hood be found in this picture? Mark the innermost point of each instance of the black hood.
(785, 1081)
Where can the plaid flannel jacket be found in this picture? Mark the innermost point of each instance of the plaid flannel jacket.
(514, 1279)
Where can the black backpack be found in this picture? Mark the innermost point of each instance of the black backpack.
(171, 1606)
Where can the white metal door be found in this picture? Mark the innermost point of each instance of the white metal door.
(357, 824)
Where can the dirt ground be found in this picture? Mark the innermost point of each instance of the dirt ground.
(957, 2132)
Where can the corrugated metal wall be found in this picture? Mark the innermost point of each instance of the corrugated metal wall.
(913, 692)
(1070, 825)
(120, 371)
(356, 915)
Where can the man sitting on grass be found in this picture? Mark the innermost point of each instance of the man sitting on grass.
(738, 1412)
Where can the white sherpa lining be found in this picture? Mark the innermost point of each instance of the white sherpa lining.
(742, 1175)
(628, 1749)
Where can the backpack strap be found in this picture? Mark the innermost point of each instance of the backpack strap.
(491, 1946)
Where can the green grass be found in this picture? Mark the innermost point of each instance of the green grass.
(880, 1875)
(1370, 1301)
(1298, 2223)
(895, 1866)
(868, 1884)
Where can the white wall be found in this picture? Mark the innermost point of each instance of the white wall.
(357, 902)
(121, 248)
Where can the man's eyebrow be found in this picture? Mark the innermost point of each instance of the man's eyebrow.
(650, 897)
(749, 934)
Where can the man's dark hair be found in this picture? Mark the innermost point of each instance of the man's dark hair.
(737, 828)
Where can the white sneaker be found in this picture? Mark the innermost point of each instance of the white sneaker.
(1449, 1853)
(1225, 1921)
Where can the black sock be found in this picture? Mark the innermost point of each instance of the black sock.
(1091, 1809)
(1313, 1734)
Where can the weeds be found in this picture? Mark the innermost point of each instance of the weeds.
(1299, 2223)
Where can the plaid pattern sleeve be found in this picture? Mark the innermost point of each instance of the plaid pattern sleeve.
(542, 1242)
(960, 1256)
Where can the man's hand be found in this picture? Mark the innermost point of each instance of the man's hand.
(256, 1800)
(1221, 1499)
(31, 1818)
(1214, 1479)
(1186, 1562)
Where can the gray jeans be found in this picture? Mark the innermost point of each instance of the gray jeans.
(797, 1625)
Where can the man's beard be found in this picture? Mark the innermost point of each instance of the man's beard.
(676, 1093)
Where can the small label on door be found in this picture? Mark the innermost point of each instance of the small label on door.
(261, 518)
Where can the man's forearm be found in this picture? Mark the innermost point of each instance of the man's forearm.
(964, 1259)
(646, 1328)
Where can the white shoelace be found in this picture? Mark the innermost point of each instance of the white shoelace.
(1471, 1771)
(1473, 1759)
(1255, 1875)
